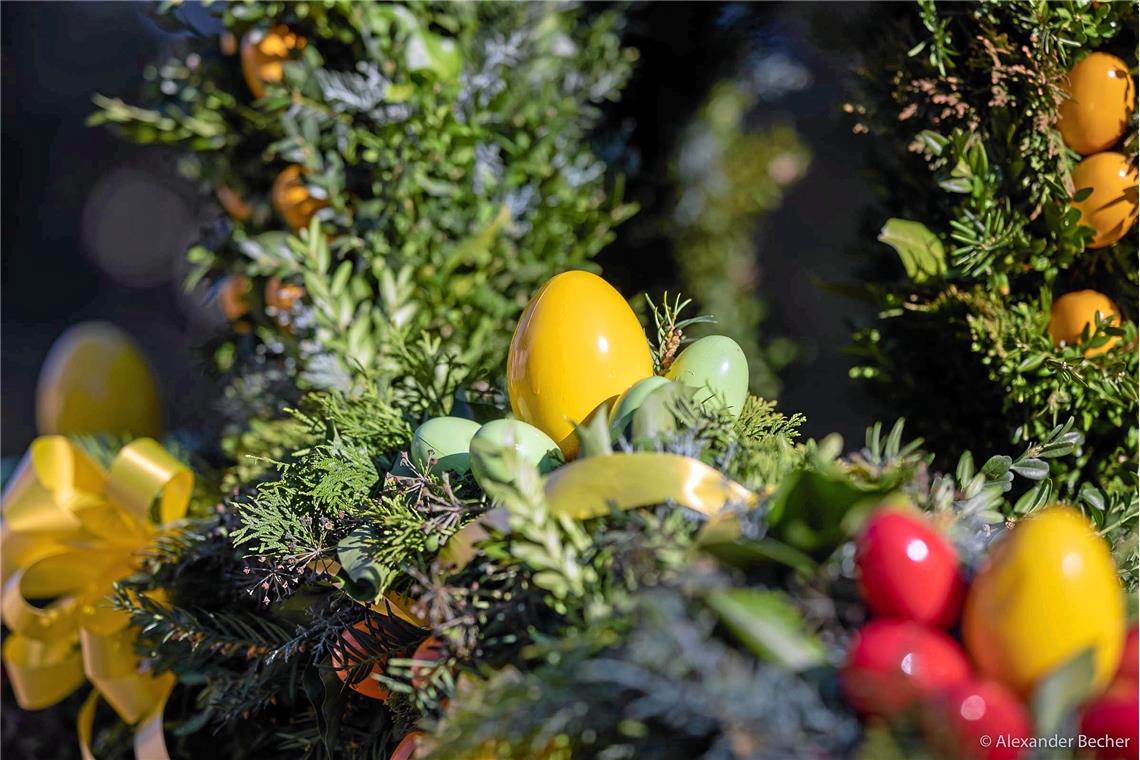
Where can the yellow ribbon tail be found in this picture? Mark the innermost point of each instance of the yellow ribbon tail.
(591, 487)
(149, 742)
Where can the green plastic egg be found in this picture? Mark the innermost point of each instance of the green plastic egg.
(621, 413)
(717, 367)
(534, 445)
(448, 440)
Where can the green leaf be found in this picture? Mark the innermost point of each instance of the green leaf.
(918, 248)
(769, 626)
(1059, 694)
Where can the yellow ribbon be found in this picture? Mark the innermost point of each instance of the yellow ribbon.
(591, 487)
(71, 529)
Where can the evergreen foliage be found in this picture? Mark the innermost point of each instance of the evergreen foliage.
(961, 122)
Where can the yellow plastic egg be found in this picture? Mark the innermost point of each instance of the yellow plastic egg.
(95, 380)
(1111, 208)
(1101, 99)
(292, 200)
(576, 346)
(1047, 592)
(1074, 311)
(263, 54)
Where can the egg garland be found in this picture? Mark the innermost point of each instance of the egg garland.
(96, 380)
(445, 444)
(1047, 592)
(1109, 201)
(717, 367)
(1100, 100)
(578, 345)
(263, 56)
(1077, 311)
(292, 199)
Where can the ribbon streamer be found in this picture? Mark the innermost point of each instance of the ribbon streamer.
(593, 486)
(589, 487)
(71, 529)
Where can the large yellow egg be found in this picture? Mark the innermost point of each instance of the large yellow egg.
(1101, 100)
(95, 380)
(1047, 592)
(1111, 208)
(577, 345)
(263, 55)
(1074, 311)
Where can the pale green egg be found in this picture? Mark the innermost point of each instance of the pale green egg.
(531, 443)
(621, 412)
(447, 440)
(715, 366)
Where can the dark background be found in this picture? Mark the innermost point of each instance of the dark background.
(95, 228)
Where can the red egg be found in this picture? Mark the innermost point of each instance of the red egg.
(907, 570)
(1130, 657)
(893, 663)
(967, 720)
(1110, 725)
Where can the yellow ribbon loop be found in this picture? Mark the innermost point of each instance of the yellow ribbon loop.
(70, 530)
(589, 487)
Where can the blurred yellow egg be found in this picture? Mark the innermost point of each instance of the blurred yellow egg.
(292, 200)
(1101, 100)
(263, 54)
(1048, 591)
(577, 345)
(1111, 208)
(1074, 311)
(95, 380)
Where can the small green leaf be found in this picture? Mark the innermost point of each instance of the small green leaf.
(769, 626)
(1059, 694)
(996, 466)
(1034, 469)
(918, 248)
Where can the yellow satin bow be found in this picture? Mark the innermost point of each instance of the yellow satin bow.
(70, 530)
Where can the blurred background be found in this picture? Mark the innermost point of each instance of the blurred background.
(734, 143)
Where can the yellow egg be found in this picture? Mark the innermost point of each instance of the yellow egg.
(1074, 311)
(1111, 208)
(263, 54)
(292, 200)
(1101, 100)
(95, 380)
(577, 345)
(1047, 592)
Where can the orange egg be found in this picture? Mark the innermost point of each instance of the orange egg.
(1111, 208)
(263, 54)
(1102, 97)
(1074, 311)
(292, 200)
(233, 204)
(282, 296)
(406, 749)
(233, 296)
(349, 651)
